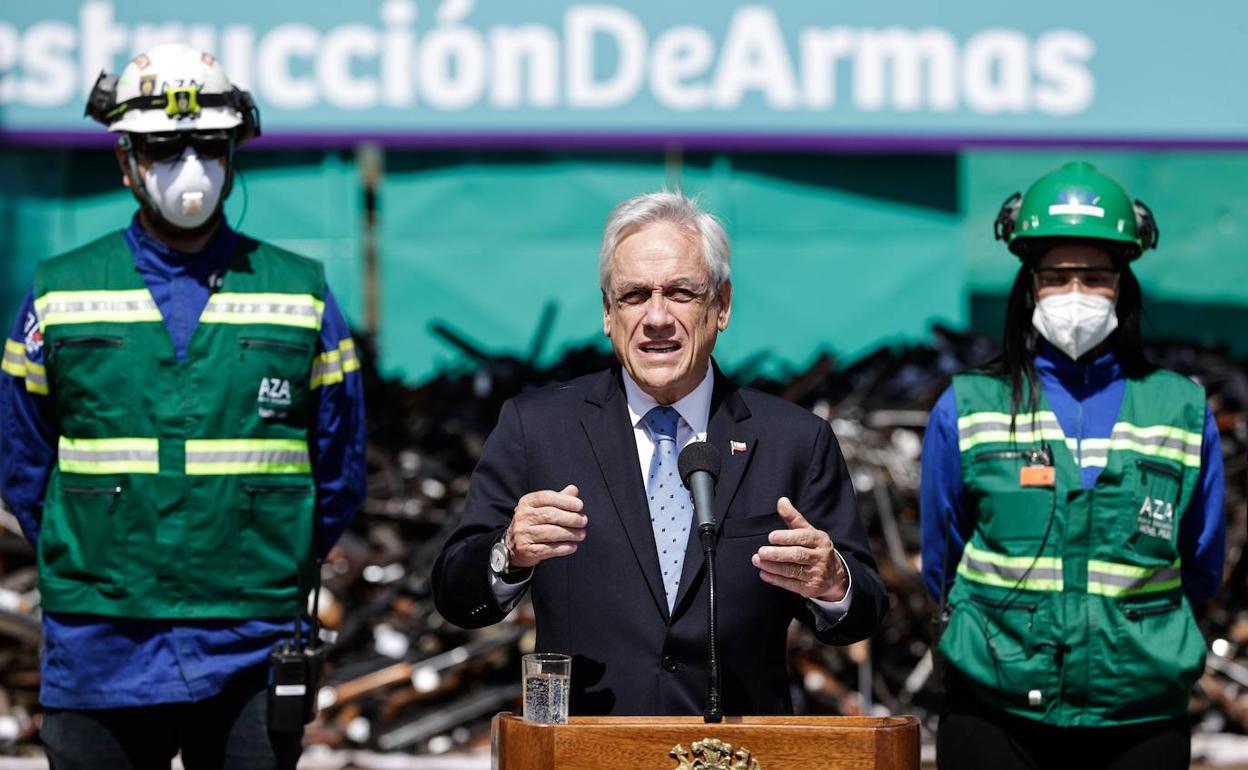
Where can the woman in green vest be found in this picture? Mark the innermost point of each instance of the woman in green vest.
(1071, 508)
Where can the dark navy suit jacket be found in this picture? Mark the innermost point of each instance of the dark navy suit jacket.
(605, 605)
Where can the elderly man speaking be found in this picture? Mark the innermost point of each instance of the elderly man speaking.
(577, 499)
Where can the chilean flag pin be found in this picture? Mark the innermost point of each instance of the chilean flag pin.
(737, 447)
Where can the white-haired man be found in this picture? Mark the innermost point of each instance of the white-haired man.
(577, 500)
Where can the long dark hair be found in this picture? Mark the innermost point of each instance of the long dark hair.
(1017, 361)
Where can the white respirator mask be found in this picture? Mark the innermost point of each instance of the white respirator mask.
(1075, 322)
(185, 190)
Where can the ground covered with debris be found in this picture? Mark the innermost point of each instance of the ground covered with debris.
(401, 680)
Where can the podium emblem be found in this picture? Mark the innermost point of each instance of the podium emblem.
(713, 754)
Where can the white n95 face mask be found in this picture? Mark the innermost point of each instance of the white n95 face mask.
(186, 190)
(1075, 322)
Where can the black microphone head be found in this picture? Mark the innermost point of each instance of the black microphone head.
(698, 456)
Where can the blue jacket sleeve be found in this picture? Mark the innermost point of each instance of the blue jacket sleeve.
(338, 436)
(27, 422)
(945, 522)
(1202, 530)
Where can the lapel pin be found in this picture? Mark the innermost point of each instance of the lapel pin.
(737, 447)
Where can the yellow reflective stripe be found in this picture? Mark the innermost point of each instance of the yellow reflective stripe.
(994, 428)
(1190, 459)
(300, 310)
(14, 361)
(977, 418)
(1128, 570)
(1099, 588)
(1160, 431)
(1022, 572)
(1107, 578)
(79, 307)
(1094, 452)
(36, 378)
(350, 361)
(1001, 560)
(332, 366)
(1006, 437)
(108, 455)
(1028, 584)
(1164, 441)
(326, 369)
(206, 457)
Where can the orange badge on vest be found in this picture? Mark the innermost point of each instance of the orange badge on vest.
(1036, 476)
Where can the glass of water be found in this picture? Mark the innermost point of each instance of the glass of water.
(547, 678)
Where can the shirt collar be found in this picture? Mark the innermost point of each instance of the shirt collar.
(149, 249)
(1097, 371)
(694, 408)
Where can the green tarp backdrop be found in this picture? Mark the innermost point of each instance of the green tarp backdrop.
(835, 252)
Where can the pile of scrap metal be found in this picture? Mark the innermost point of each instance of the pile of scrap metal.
(400, 678)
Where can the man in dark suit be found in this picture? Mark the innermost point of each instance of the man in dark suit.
(576, 499)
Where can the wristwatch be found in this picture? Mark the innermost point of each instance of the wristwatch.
(500, 563)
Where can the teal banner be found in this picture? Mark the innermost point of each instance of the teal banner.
(917, 74)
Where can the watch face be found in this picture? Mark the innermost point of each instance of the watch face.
(498, 557)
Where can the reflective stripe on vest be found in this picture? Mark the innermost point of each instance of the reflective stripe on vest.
(1029, 573)
(81, 307)
(1106, 578)
(1162, 441)
(300, 310)
(208, 457)
(332, 366)
(108, 455)
(994, 428)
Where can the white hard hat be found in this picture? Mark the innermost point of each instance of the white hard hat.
(164, 89)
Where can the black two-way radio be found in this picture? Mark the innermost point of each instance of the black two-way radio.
(296, 668)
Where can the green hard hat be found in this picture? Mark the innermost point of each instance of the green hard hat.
(1076, 201)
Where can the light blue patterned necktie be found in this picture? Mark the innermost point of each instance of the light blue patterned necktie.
(671, 508)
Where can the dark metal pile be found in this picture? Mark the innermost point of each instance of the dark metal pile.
(401, 678)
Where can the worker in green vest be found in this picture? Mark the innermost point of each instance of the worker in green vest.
(183, 441)
(1071, 508)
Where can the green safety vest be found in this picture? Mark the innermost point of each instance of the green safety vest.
(1068, 605)
(182, 489)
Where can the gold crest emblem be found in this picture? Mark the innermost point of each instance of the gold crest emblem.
(713, 754)
(147, 85)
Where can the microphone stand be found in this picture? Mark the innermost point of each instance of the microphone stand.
(714, 712)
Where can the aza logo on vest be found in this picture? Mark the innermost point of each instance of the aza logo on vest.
(1156, 518)
(273, 397)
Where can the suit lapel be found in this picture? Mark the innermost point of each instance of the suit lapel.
(611, 437)
(728, 425)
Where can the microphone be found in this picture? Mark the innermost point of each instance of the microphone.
(699, 470)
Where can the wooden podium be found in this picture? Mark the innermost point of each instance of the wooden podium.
(688, 743)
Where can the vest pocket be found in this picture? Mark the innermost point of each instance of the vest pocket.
(96, 341)
(997, 646)
(82, 537)
(1151, 529)
(1012, 518)
(1153, 650)
(278, 370)
(275, 534)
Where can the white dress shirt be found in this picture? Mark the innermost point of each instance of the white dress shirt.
(695, 416)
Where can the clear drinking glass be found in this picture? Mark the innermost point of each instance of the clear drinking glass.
(547, 681)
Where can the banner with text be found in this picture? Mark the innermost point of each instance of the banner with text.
(914, 74)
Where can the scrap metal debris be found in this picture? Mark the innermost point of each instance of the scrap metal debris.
(400, 678)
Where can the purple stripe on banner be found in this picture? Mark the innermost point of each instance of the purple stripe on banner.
(759, 142)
